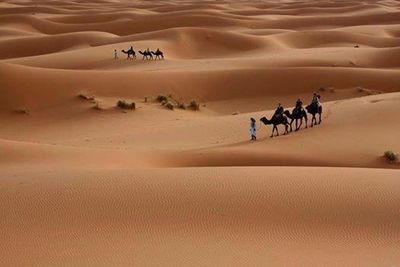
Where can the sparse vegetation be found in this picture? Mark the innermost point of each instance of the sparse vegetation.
(169, 105)
(169, 102)
(22, 111)
(181, 105)
(194, 105)
(97, 106)
(161, 98)
(361, 89)
(86, 96)
(391, 156)
(126, 105)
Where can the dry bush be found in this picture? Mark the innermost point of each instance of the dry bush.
(161, 98)
(361, 89)
(86, 96)
(169, 105)
(98, 106)
(194, 105)
(21, 111)
(181, 106)
(391, 156)
(126, 105)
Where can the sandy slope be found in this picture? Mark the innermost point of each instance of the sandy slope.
(210, 216)
(153, 187)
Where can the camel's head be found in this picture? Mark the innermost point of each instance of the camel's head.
(264, 120)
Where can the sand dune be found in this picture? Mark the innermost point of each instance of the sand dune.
(235, 216)
(86, 186)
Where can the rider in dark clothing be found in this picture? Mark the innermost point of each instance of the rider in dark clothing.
(279, 110)
(299, 106)
(299, 103)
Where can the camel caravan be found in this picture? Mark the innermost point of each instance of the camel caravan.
(146, 54)
(286, 118)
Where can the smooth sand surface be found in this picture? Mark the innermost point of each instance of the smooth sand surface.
(153, 187)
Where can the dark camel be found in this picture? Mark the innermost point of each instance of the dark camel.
(130, 53)
(146, 54)
(158, 54)
(275, 121)
(314, 109)
(295, 116)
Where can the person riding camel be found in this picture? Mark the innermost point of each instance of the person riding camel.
(279, 111)
(299, 106)
(315, 99)
(299, 103)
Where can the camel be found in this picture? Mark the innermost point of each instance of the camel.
(130, 53)
(275, 121)
(158, 54)
(295, 116)
(314, 109)
(146, 54)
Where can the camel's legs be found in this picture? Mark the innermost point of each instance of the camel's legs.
(273, 130)
(314, 120)
(320, 119)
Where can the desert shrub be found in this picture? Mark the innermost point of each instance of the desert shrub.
(391, 156)
(169, 105)
(21, 111)
(361, 89)
(126, 105)
(194, 105)
(181, 106)
(85, 96)
(161, 98)
(97, 106)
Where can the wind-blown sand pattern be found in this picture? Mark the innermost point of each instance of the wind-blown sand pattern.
(154, 187)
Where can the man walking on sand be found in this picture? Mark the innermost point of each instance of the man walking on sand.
(115, 54)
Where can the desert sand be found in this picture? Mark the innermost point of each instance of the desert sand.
(87, 186)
